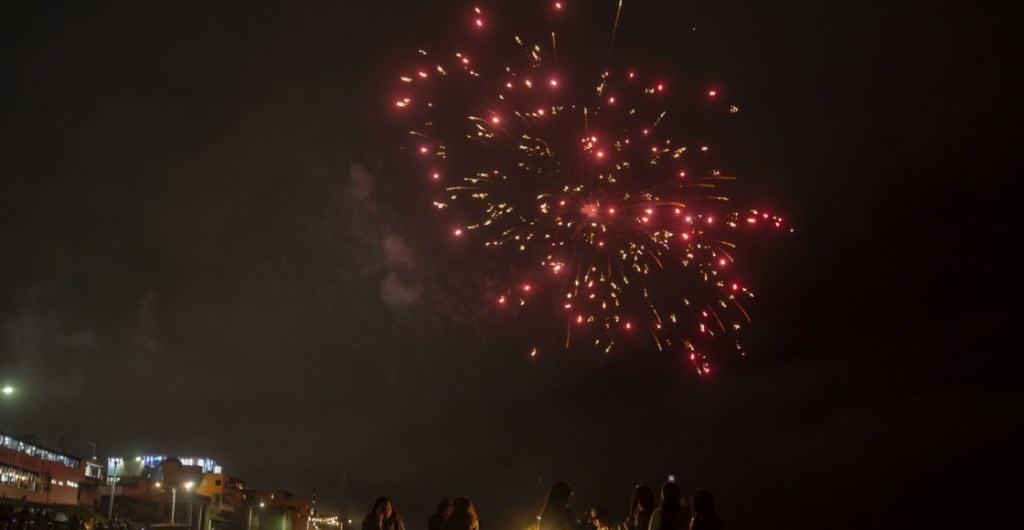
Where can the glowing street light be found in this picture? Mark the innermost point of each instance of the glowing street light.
(249, 524)
(188, 487)
(113, 491)
(174, 498)
(8, 390)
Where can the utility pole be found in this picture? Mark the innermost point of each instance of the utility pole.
(312, 510)
(113, 491)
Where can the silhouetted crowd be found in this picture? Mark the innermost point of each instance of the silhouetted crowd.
(670, 512)
(29, 517)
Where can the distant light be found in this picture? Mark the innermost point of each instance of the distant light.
(8, 390)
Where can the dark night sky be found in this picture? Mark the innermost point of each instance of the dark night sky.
(209, 247)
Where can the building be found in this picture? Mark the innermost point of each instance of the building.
(46, 476)
(183, 490)
(175, 492)
(156, 489)
(279, 510)
(227, 499)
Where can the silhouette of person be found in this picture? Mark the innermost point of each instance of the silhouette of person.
(440, 515)
(670, 514)
(383, 516)
(640, 509)
(704, 515)
(556, 514)
(463, 516)
(601, 519)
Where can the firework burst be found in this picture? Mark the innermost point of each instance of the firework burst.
(606, 214)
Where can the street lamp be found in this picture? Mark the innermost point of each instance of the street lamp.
(174, 499)
(249, 523)
(188, 487)
(113, 491)
(8, 390)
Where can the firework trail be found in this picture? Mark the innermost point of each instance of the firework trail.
(604, 214)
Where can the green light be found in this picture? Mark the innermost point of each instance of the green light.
(8, 390)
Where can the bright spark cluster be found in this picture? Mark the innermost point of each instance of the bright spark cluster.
(622, 230)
